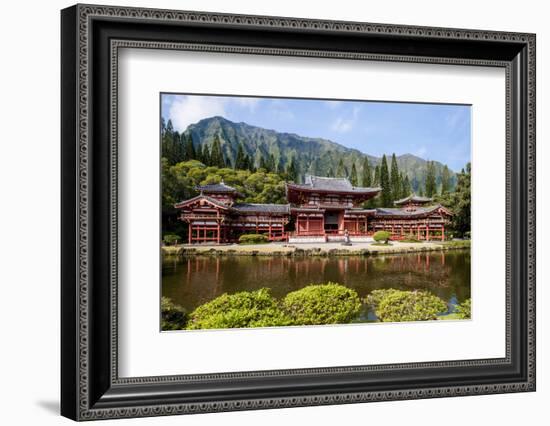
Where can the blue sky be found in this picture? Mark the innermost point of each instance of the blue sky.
(431, 131)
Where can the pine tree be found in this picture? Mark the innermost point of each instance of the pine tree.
(250, 163)
(385, 184)
(341, 169)
(395, 178)
(406, 189)
(216, 154)
(353, 175)
(330, 172)
(239, 158)
(367, 178)
(461, 201)
(271, 163)
(263, 163)
(190, 153)
(430, 179)
(376, 181)
(167, 142)
(445, 181)
(205, 156)
(280, 166)
(292, 171)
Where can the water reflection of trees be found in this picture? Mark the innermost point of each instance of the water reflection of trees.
(198, 279)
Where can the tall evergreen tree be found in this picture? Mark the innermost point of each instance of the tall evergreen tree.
(167, 142)
(461, 201)
(162, 126)
(385, 195)
(263, 163)
(395, 178)
(205, 156)
(341, 169)
(249, 163)
(406, 189)
(376, 180)
(271, 163)
(431, 187)
(353, 175)
(216, 154)
(330, 172)
(169, 127)
(367, 174)
(281, 165)
(445, 181)
(190, 153)
(240, 158)
(292, 171)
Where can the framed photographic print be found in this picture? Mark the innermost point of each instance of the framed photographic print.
(263, 212)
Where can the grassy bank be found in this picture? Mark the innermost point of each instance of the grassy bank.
(304, 250)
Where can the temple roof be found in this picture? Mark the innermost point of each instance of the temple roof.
(328, 184)
(261, 208)
(420, 211)
(213, 201)
(414, 199)
(216, 188)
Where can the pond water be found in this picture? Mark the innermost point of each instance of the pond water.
(192, 281)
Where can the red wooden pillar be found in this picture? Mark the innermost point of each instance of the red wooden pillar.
(442, 232)
(190, 231)
(418, 231)
(218, 232)
(427, 233)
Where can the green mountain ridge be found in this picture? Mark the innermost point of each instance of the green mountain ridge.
(317, 156)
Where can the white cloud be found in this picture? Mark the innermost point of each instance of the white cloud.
(344, 124)
(186, 110)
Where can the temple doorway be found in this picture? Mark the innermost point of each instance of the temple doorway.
(332, 222)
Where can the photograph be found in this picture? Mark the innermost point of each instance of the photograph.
(304, 212)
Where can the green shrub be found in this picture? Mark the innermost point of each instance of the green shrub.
(173, 317)
(464, 309)
(381, 236)
(322, 304)
(253, 239)
(392, 305)
(170, 239)
(239, 310)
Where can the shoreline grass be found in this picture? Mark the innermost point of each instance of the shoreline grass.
(296, 250)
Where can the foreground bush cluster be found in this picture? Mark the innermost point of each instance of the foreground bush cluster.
(319, 304)
(392, 305)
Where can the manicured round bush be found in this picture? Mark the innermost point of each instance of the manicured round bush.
(322, 304)
(464, 309)
(171, 239)
(240, 310)
(253, 239)
(173, 317)
(381, 236)
(392, 305)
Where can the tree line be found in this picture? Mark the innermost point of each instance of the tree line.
(177, 148)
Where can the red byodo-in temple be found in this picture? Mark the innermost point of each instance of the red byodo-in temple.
(321, 209)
